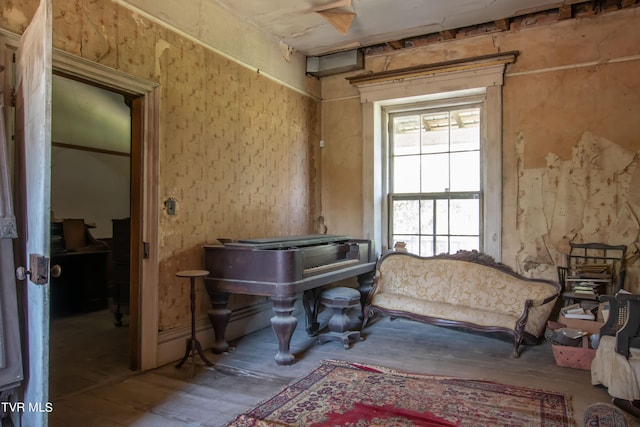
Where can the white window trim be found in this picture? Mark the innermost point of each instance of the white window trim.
(375, 95)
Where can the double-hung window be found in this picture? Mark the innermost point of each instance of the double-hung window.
(435, 188)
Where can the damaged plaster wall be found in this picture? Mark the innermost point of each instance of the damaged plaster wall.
(570, 76)
(588, 198)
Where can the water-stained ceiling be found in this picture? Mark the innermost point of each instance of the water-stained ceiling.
(316, 27)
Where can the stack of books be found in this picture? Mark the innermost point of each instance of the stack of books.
(586, 288)
(590, 280)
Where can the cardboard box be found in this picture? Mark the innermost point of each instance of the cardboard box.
(590, 326)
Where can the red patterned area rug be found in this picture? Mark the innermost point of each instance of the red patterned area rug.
(349, 394)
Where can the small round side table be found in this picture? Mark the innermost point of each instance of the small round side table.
(193, 345)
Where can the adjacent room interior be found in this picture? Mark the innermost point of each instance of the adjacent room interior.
(90, 198)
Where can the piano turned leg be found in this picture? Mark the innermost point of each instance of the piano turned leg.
(284, 323)
(219, 316)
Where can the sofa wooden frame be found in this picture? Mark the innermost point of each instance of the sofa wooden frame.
(518, 333)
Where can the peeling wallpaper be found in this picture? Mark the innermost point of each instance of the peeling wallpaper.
(570, 136)
(588, 198)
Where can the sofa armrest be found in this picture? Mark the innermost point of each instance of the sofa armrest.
(539, 302)
(375, 287)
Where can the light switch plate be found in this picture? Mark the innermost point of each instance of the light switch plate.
(170, 205)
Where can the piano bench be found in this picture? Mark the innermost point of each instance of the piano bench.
(340, 300)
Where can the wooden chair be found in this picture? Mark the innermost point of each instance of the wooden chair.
(595, 269)
(615, 365)
(623, 321)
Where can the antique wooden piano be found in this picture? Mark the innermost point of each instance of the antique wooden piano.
(282, 268)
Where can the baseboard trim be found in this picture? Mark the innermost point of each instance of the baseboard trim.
(171, 342)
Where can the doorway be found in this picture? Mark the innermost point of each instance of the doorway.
(143, 97)
(90, 215)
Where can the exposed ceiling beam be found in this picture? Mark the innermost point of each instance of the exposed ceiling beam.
(448, 34)
(502, 24)
(396, 44)
(565, 12)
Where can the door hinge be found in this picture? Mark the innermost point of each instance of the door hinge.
(145, 250)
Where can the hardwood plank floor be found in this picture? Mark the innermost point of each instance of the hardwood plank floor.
(85, 350)
(93, 386)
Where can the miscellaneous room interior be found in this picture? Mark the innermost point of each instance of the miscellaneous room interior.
(204, 173)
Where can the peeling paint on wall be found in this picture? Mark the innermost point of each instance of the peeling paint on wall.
(588, 198)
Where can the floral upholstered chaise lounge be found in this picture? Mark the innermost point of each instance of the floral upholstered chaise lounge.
(467, 290)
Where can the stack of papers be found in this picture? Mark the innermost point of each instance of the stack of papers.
(576, 312)
(571, 333)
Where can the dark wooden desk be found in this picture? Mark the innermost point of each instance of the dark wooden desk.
(82, 286)
(283, 297)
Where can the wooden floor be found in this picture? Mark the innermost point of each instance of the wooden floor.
(90, 383)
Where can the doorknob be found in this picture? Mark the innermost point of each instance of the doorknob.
(56, 271)
(39, 270)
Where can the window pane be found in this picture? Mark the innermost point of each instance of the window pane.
(442, 216)
(435, 175)
(465, 171)
(411, 241)
(442, 245)
(465, 129)
(435, 135)
(406, 135)
(406, 214)
(406, 174)
(426, 246)
(435, 141)
(464, 242)
(464, 216)
(427, 219)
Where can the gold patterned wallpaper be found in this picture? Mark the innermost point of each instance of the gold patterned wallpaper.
(238, 151)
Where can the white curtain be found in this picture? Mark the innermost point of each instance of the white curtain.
(620, 375)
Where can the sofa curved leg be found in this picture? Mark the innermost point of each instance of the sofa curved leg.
(367, 313)
(519, 329)
(516, 346)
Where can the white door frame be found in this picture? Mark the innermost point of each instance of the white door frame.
(146, 323)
